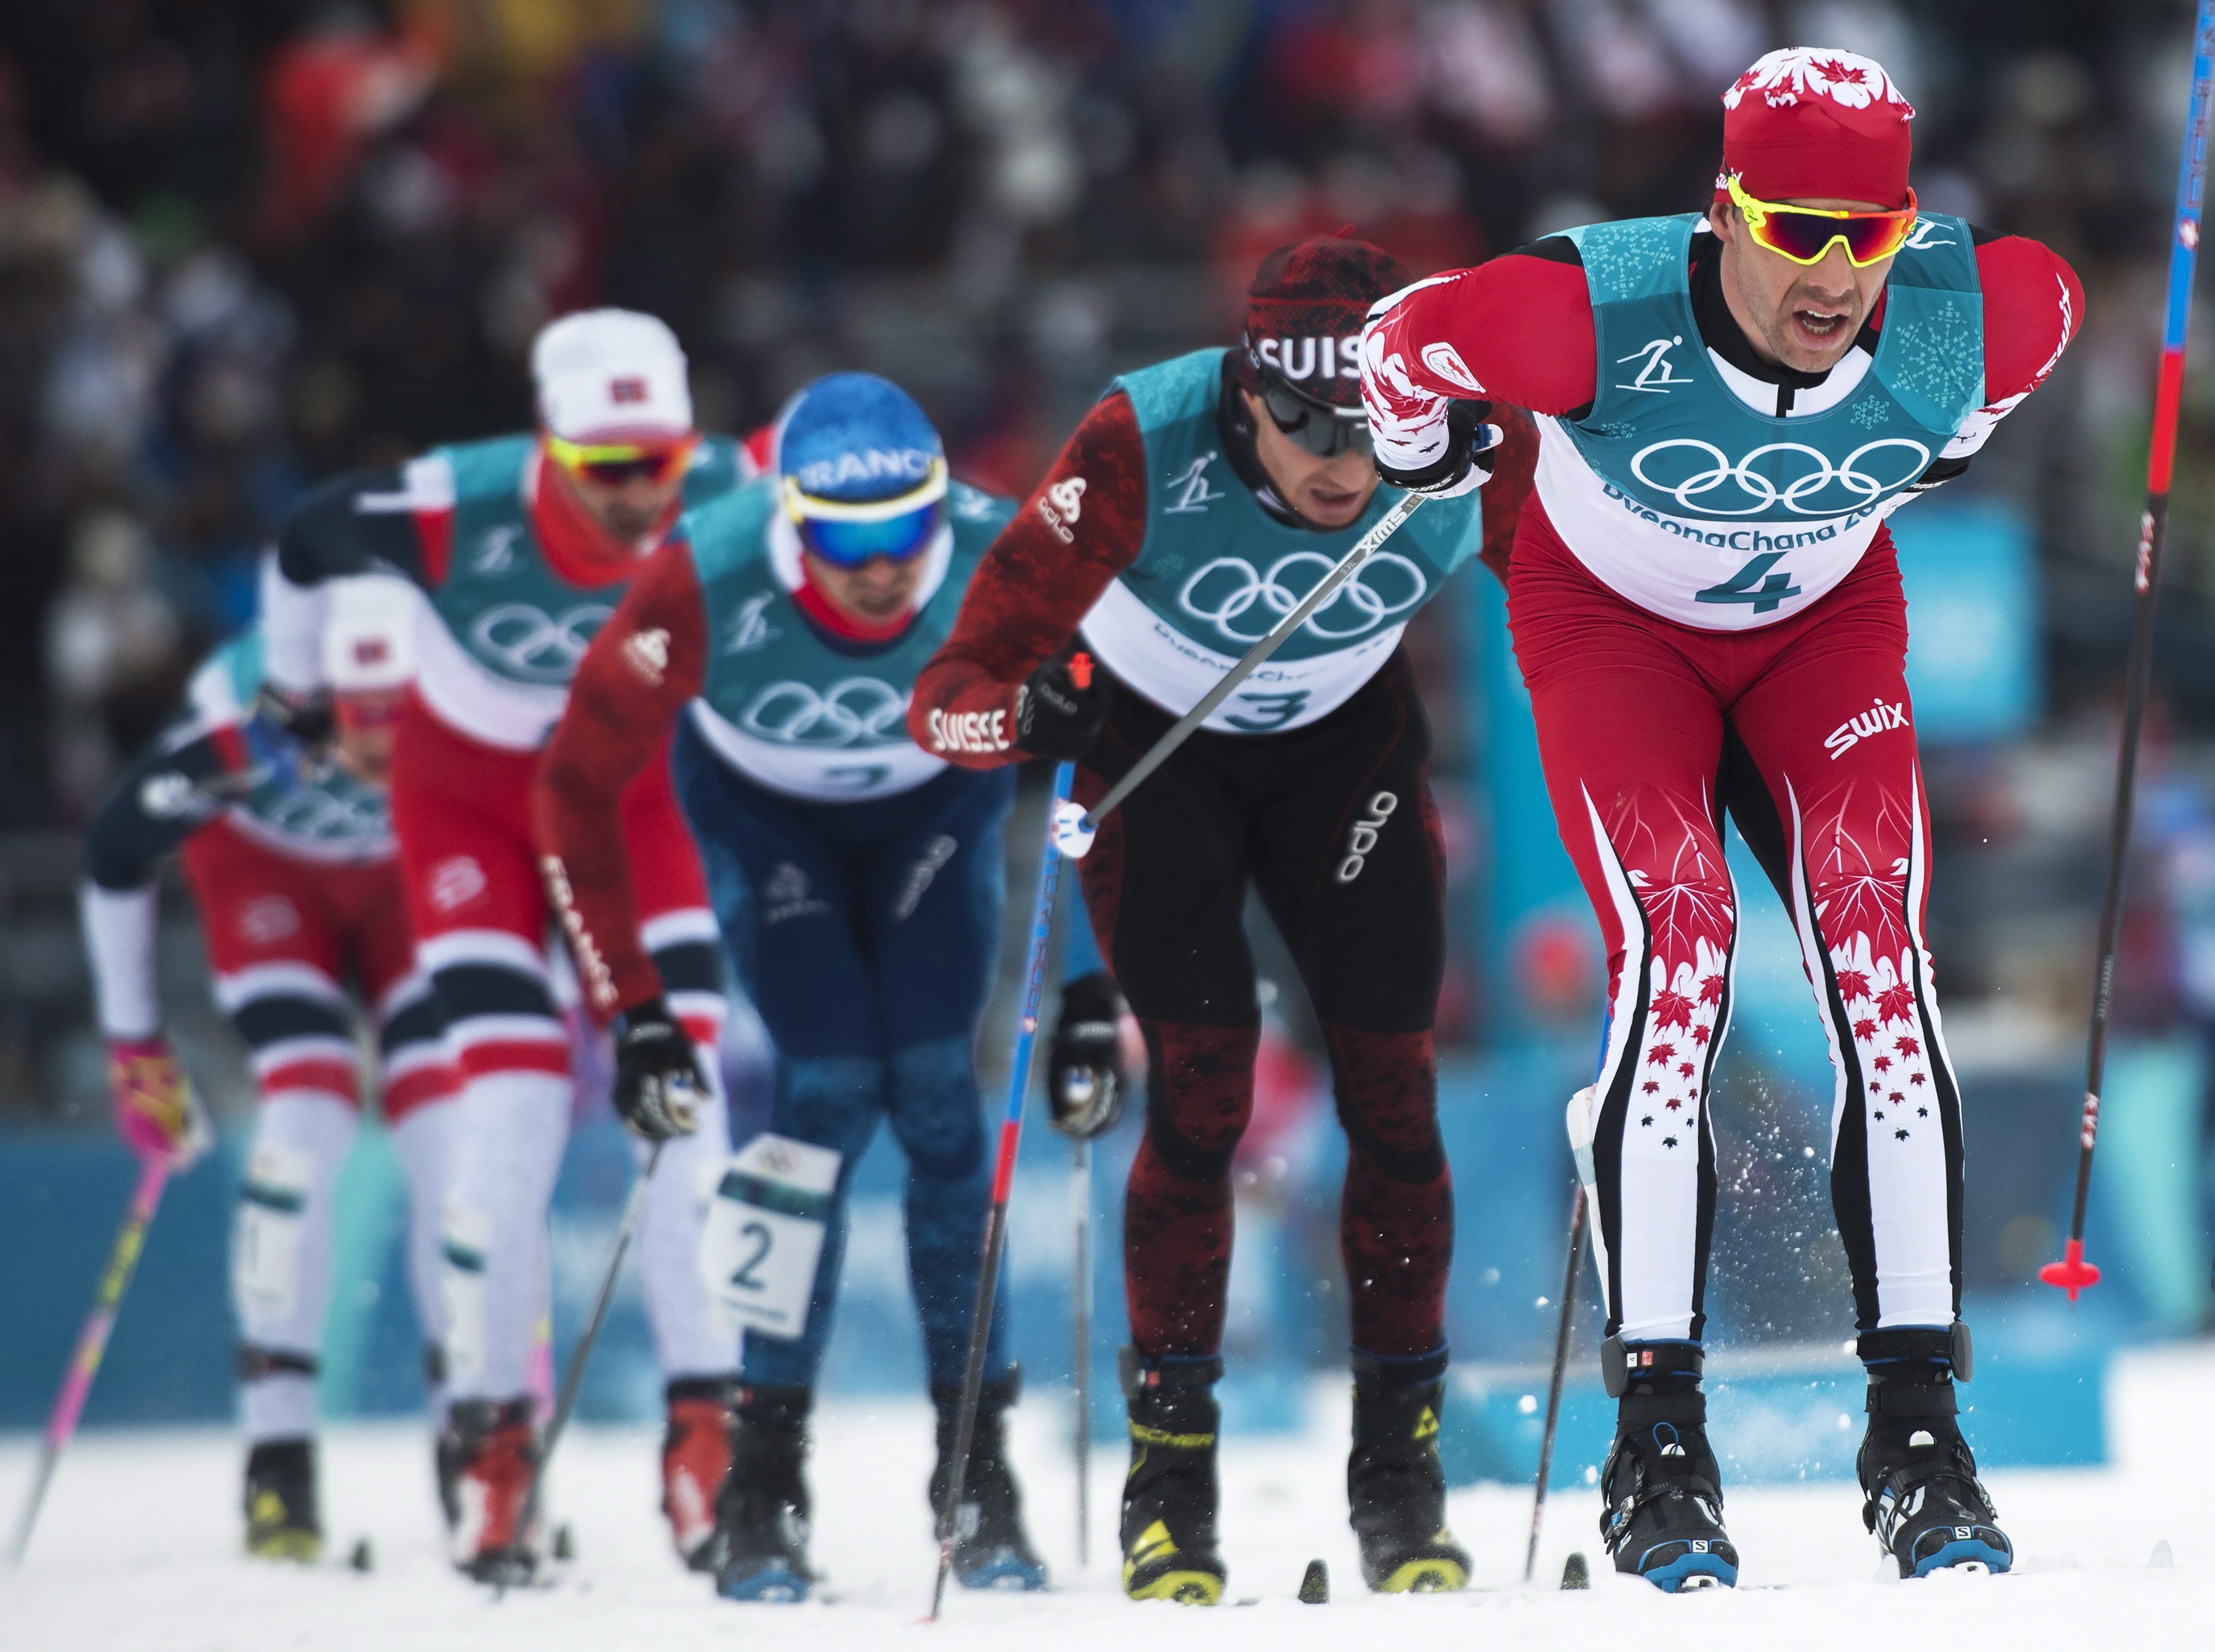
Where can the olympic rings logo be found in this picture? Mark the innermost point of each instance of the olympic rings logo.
(1860, 488)
(1228, 589)
(853, 711)
(528, 643)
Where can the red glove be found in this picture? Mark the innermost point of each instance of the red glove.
(155, 1108)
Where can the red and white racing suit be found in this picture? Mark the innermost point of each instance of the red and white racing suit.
(466, 753)
(1651, 725)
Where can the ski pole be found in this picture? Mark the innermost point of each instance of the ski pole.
(92, 1340)
(1073, 832)
(1080, 1353)
(1003, 1169)
(573, 1379)
(1560, 1372)
(2072, 1272)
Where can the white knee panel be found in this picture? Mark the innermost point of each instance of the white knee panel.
(508, 1133)
(422, 1141)
(281, 1252)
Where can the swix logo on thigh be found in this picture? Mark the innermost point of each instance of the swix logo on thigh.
(1880, 718)
(1362, 840)
(270, 918)
(456, 882)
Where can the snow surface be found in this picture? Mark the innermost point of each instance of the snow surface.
(139, 1548)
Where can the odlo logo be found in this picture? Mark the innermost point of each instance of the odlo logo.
(1878, 719)
(1363, 837)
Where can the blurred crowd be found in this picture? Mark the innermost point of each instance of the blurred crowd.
(246, 242)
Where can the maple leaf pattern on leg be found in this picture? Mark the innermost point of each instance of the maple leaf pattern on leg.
(1859, 886)
(1672, 857)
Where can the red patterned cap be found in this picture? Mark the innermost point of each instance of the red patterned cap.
(1304, 311)
(1810, 124)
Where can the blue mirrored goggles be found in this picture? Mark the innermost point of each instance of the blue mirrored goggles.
(844, 542)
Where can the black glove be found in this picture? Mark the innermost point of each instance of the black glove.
(1084, 1077)
(1059, 713)
(657, 1081)
(291, 736)
(1470, 442)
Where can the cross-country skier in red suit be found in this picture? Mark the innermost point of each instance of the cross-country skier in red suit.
(1195, 505)
(523, 546)
(1707, 610)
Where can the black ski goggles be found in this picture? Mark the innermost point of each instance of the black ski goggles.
(1323, 430)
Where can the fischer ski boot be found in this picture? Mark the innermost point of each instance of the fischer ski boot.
(1663, 1519)
(990, 1550)
(762, 1517)
(1170, 1495)
(496, 1446)
(1925, 1503)
(696, 1460)
(281, 1521)
(1395, 1484)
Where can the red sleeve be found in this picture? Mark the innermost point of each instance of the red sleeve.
(2033, 305)
(1083, 526)
(1518, 329)
(648, 659)
(1514, 467)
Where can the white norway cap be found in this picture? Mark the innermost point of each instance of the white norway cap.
(610, 373)
(369, 633)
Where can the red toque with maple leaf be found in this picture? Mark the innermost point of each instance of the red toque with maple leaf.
(1809, 124)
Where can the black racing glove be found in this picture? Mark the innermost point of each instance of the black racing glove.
(657, 1081)
(291, 736)
(1084, 1077)
(1467, 458)
(1059, 711)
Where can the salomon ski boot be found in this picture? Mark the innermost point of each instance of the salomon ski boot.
(1170, 1495)
(696, 1460)
(762, 1518)
(1663, 1519)
(496, 1448)
(1395, 1484)
(1925, 1503)
(281, 1521)
(990, 1550)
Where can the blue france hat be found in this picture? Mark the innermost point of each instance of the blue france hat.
(855, 439)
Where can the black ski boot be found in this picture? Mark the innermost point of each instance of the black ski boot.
(1395, 1484)
(281, 1518)
(989, 1549)
(1924, 1501)
(1663, 1519)
(1169, 1497)
(762, 1516)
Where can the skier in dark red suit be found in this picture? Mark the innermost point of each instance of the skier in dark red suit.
(1198, 502)
(1708, 613)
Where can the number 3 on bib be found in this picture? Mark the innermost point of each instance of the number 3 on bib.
(764, 1233)
(1269, 710)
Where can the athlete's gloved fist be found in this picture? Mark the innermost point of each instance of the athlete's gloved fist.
(1463, 467)
(156, 1111)
(290, 736)
(1084, 1077)
(1059, 711)
(657, 1081)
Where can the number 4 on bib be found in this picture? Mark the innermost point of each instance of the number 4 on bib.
(1755, 584)
(764, 1230)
